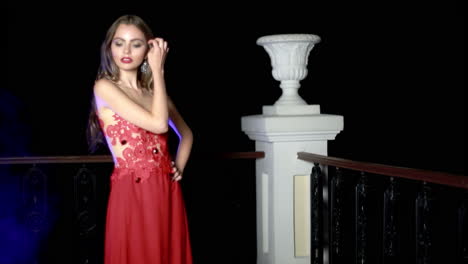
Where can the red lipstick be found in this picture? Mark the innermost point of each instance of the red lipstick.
(126, 60)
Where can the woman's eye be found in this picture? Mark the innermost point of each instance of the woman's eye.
(118, 44)
(137, 45)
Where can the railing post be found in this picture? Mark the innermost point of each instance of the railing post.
(424, 225)
(336, 194)
(362, 208)
(34, 189)
(462, 239)
(85, 214)
(316, 231)
(391, 217)
(286, 128)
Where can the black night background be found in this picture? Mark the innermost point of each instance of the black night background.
(395, 71)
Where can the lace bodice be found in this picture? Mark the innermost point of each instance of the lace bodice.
(132, 146)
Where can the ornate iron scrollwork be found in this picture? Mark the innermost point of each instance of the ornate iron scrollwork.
(316, 215)
(361, 219)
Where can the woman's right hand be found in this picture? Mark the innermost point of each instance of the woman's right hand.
(157, 54)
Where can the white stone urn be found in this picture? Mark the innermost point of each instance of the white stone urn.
(289, 55)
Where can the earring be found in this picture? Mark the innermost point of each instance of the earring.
(144, 67)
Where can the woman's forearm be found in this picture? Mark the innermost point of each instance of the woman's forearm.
(183, 151)
(159, 106)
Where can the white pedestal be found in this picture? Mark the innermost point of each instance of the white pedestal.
(291, 109)
(281, 137)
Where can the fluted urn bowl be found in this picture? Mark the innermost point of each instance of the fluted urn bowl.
(289, 55)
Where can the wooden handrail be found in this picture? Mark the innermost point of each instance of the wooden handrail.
(230, 155)
(108, 158)
(57, 159)
(454, 180)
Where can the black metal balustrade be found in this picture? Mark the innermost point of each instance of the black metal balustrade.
(360, 212)
(61, 202)
(375, 213)
(61, 210)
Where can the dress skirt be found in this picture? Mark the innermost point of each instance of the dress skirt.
(146, 221)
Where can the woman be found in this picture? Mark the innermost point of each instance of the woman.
(146, 219)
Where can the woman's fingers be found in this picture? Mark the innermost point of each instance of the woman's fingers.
(177, 175)
(158, 42)
(158, 48)
(152, 43)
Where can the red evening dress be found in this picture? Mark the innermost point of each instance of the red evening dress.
(146, 220)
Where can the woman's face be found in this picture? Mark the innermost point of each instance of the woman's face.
(128, 47)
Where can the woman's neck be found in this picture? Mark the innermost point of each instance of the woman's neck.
(129, 79)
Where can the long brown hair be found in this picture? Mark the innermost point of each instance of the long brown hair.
(109, 70)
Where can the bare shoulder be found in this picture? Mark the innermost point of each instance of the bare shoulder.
(103, 88)
(103, 85)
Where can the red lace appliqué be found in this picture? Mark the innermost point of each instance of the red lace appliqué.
(144, 149)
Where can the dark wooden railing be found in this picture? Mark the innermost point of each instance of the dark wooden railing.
(107, 158)
(370, 213)
(60, 203)
(374, 213)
